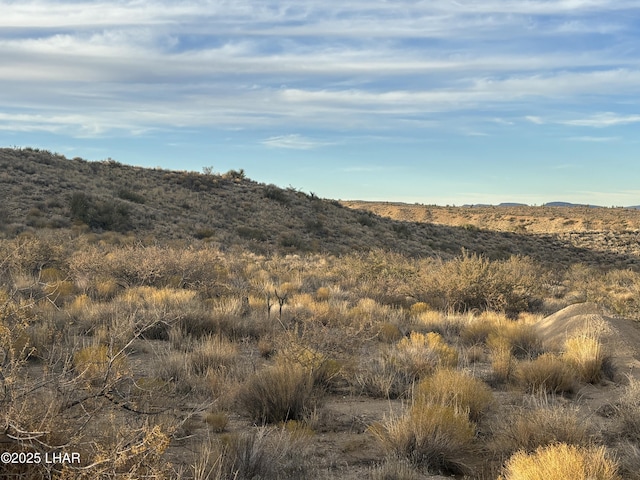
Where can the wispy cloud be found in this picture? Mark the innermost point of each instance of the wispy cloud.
(534, 119)
(293, 141)
(607, 119)
(594, 139)
(136, 65)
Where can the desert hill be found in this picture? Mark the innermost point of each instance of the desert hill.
(614, 230)
(43, 190)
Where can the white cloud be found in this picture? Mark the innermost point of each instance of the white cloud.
(293, 141)
(138, 64)
(594, 139)
(534, 119)
(607, 119)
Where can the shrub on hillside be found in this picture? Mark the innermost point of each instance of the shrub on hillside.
(100, 214)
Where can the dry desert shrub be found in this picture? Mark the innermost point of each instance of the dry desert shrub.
(439, 438)
(562, 462)
(453, 388)
(528, 428)
(427, 349)
(213, 352)
(267, 454)
(395, 469)
(547, 373)
(391, 373)
(629, 460)
(627, 411)
(277, 394)
(586, 354)
(471, 282)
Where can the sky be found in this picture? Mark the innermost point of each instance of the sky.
(439, 102)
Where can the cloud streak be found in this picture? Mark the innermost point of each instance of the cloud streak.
(293, 141)
(95, 67)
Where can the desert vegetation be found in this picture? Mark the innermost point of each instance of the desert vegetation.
(154, 350)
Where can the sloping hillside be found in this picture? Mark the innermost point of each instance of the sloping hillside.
(615, 230)
(42, 190)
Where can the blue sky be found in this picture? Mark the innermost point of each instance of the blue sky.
(447, 102)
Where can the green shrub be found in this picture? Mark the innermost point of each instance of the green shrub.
(100, 214)
(125, 194)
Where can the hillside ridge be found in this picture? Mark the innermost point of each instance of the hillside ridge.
(45, 191)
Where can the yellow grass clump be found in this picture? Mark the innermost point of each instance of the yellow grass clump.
(456, 389)
(96, 362)
(562, 462)
(419, 344)
(547, 373)
(586, 355)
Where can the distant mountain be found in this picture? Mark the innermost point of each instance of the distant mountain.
(569, 204)
(503, 204)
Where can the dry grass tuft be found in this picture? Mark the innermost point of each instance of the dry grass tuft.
(277, 394)
(452, 388)
(562, 462)
(431, 347)
(437, 437)
(266, 454)
(527, 429)
(394, 469)
(586, 355)
(547, 373)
